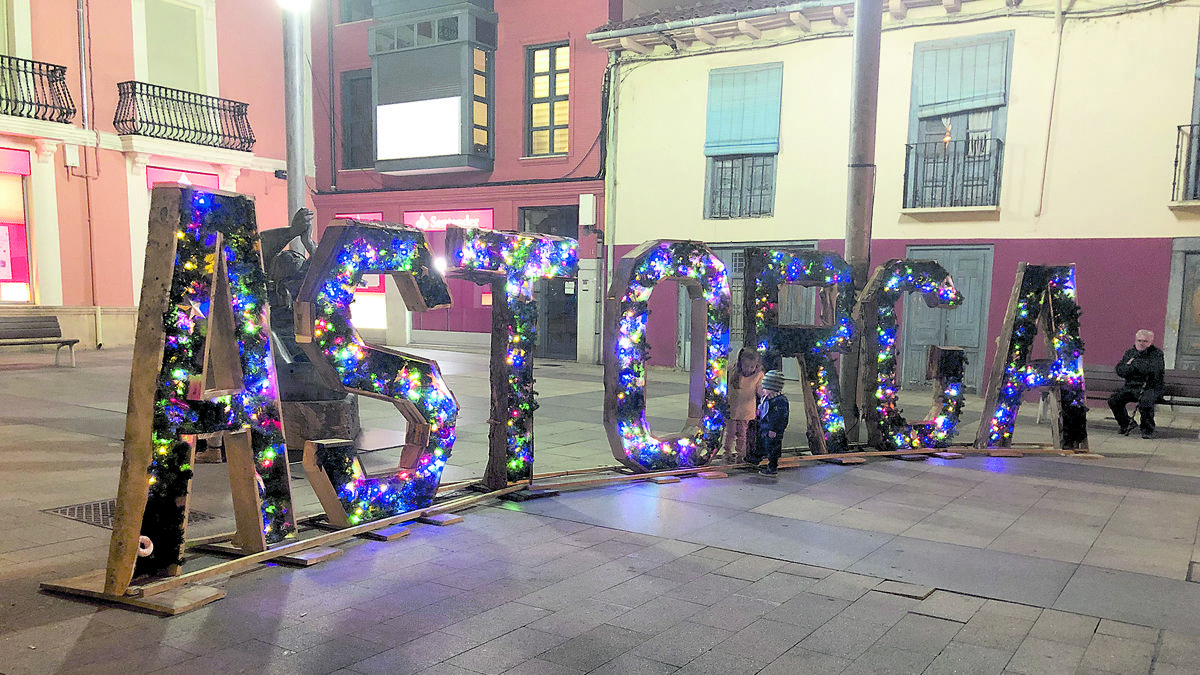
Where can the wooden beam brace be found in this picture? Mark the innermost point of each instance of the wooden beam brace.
(749, 30)
(839, 16)
(800, 21)
(897, 9)
(704, 36)
(631, 45)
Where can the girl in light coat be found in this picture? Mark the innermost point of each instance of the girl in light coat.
(743, 384)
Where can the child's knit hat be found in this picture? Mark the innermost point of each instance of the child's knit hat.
(773, 381)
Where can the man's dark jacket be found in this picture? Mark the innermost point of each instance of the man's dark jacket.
(1146, 371)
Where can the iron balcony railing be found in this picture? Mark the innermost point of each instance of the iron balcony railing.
(177, 115)
(944, 174)
(35, 90)
(1187, 164)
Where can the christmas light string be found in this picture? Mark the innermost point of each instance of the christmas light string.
(769, 269)
(694, 265)
(350, 250)
(486, 256)
(1049, 289)
(891, 280)
(212, 225)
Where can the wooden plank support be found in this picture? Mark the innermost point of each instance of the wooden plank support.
(1087, 455)
(631, 45)
(387, 534)
(310, 557)
(1005, 452)
(800, 21)
(663, 480)
(842, 460)
(704, 36)
(713, 475)
(948, 455)
(246, 562)
(170, 603)
(914, 457)
(440, 519)
(749, 30)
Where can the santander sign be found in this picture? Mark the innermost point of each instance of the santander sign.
(436, 221)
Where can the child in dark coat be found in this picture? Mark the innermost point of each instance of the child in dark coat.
(772, 421)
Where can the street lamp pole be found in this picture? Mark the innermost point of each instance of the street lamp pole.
(293, 98)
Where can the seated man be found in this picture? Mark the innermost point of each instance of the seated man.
(1142, 367)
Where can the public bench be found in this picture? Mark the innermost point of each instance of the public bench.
(1180, 387)
(35, 330)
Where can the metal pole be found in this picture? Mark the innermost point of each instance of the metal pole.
(860, 197)
(293, 97)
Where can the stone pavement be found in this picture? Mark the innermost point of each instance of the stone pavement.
(1039, 564)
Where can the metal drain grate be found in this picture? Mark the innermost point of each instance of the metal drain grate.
(100, 513)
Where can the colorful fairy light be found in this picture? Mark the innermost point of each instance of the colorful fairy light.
(348, 250)
(217, 236)
(694, 266)
(510, 263)
(1046, 293)
(769, 269)
(877, 312)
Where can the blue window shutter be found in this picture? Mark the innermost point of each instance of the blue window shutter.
(962, 77)
(744, 106)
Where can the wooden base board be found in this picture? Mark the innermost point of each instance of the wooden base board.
(913, 458)
(713, 475)
(528, 495)
(220, 548)
(844, 461)
(440, 519)
(388, 533)
(1005, 452)
(309, 557)
(169, 603)
(1087, 455)
(663, 480)
(948, 455)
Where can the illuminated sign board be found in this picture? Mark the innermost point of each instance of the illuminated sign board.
(436, 221)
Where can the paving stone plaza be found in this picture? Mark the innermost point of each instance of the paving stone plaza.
(1039, 564)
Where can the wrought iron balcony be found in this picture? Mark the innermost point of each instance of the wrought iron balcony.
(946, 174)
(35, 90)
(177, 115)
(1186, 187)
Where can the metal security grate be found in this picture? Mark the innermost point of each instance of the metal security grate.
(100, 513)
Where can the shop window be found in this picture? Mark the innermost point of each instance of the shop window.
(15, 278)
(548, 89)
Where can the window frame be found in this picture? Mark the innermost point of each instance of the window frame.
(530, 101)
(745, 194)
(344, 5)
(347, 79)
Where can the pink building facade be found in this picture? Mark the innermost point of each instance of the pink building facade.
(106, 99)
(472, 112)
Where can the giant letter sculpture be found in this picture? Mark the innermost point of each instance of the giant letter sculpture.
(766, 270)
(509, 263)
(348, 250)
(1042, 295)
(201, 363)
(695, 267)
(876, 313)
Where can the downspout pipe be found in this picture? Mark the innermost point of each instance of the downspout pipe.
(860, 193)
(85, 111)
(1059, 22)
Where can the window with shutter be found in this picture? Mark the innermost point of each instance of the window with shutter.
(742, 140)
(954, 157)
